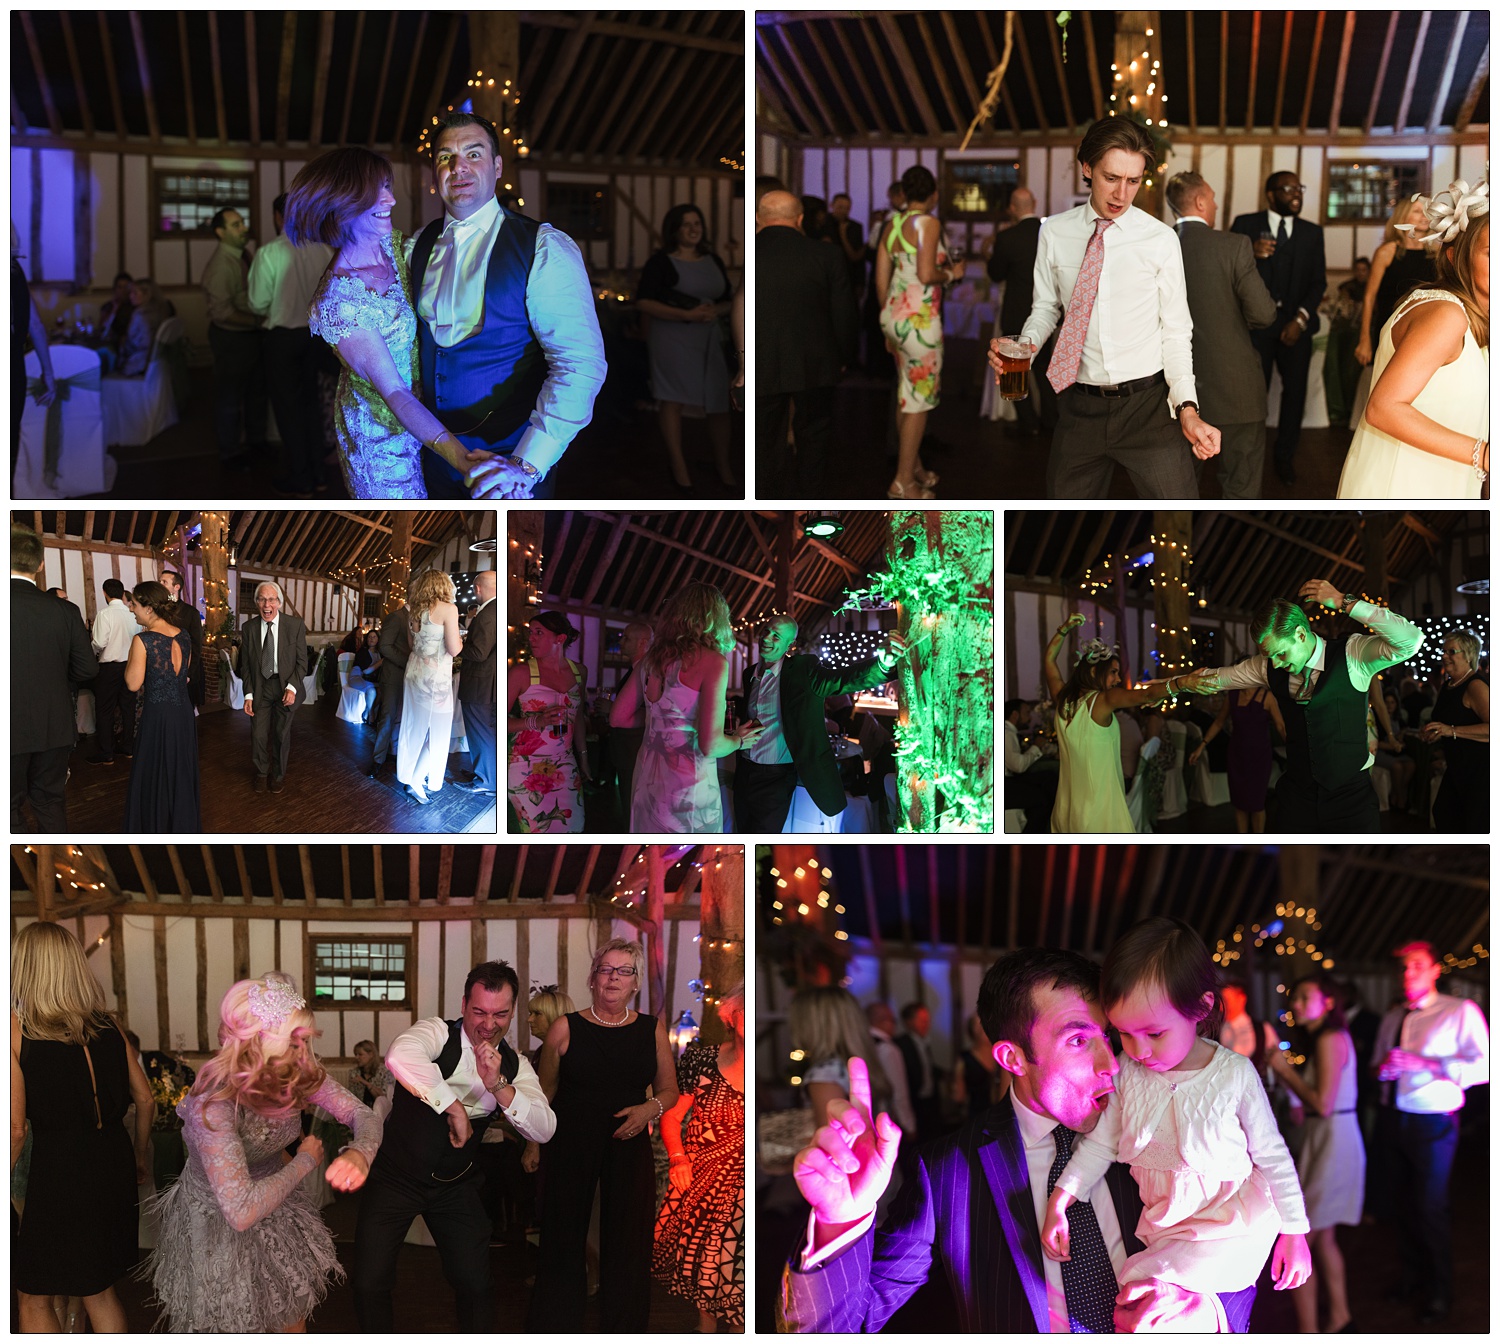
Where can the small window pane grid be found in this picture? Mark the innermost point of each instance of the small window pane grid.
(1366, 193)
(247, 594)
(581, 209)
(372, 606)
(979, 187)
(357, 971)
(187, 202)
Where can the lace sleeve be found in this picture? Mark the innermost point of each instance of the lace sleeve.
(343, 306)
(242, 1199)
(340, 1103)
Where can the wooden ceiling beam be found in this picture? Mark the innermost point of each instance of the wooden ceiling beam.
(673, 139)
(1286, 55)
(877, 117)
(217, 67)
(560, 77)
(1091, 55)
(623, 88)
(284, 74)
(320, 82)
(1224, 72)
(643, 113)
(992, 59)
(411, 78)
(1450, 69)
(1026, 66)
(187, 78)
(1380, 71)
(640, 32)
(1312, 70)
(1254, 64)
(1336, 111)
(910, 76)
(1471, 98)
(1412, 70)
(75, 69)
(354, 48)
(940, 73)
(39, 68)
(384, 77)
(791, 95)
(252, 78)
(1192, 65)
(883, 71)
(611, 549)
(17, 116)
(112, 77)
(1059, 69)
(725, 94)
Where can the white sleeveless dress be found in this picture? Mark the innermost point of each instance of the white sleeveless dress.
(1091, 775)
(676, 787)
(427, 710)
(1456, 396)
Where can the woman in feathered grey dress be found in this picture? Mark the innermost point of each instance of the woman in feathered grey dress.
(242, 1248)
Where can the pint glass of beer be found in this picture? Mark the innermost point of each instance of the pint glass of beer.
(1015, 366)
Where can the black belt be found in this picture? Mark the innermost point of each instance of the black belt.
(1122, 389)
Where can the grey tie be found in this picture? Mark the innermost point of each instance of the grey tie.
(268, 651)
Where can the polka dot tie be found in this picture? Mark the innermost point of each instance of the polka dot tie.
(1062, 373)
(1089, 1285)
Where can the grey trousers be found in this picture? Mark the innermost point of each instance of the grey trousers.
(1136, 432)
(1242, 460)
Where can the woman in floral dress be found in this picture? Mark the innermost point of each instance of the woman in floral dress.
(911, 269)
(545, 695)
(700, 1250)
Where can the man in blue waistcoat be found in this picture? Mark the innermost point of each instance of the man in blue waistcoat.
(509, 342)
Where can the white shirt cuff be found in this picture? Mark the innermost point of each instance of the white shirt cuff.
(813, 1259)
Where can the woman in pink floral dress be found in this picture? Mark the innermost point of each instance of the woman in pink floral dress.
(545, 695)
(910, 271)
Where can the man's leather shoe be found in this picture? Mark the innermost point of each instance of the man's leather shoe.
(260, 783)
(98, 759)
(1286, 473)
(277, 785)
(472, 786)
(375, 771)
(1434, 1311)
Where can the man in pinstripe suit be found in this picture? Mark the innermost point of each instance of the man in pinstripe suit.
(1041, 1009)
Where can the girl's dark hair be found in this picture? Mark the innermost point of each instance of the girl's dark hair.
(918, 183)
(155, 596)
(1086, 677)
(1333, 1019)
(559, 624)
(672, 225)
(1166, 952)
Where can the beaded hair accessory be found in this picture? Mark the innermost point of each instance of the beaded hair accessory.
(1450, 212)
(275, 1001)
(1097, 651)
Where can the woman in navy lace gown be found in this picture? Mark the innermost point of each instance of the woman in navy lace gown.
(163, 793)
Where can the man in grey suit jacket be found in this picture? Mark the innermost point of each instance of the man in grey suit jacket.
(1228, 300)
(273, 666)
(395, 649)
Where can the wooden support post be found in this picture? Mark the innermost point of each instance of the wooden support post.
(495, 48)
(1130, 44)
(117, 966)
(1172, 540)
(721, 947)
(399, 574)
(163, 1003)
(656, 953)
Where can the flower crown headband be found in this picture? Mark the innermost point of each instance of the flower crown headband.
(1097, 651)
(1449, 212)
(275, 1001)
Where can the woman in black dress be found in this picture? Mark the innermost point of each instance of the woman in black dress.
(71, 1079)
(597, 1067)
(1461, 723)
(163, 792)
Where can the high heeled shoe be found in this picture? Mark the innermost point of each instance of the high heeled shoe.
(924, 477)
(417, 796)
(915, 491)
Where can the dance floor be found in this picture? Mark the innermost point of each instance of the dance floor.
(326, 788)
(980, 459)
(619, 456)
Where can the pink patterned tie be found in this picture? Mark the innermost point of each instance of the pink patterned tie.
(1062, 373)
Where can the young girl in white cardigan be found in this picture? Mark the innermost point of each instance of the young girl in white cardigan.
(1192, 1120)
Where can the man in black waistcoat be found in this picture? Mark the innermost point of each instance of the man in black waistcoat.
(509, 341)
(786, 695)
(1322, 687)
(454, 1078)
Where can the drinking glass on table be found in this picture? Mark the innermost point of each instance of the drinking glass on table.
(1015, 366)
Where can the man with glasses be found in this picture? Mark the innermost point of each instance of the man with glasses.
(1289, 256)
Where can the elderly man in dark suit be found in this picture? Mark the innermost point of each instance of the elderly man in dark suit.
(49, 653)
(1012, 262)
(786, 695)
(1228, 300)
(1289, 256)
(974, 1210)
(806, 333)
(273, 666)
(395, 649)
(476, 689)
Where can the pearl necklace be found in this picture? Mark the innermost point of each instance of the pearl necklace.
(605, 1022)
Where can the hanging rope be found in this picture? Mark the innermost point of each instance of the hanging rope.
(997, 75)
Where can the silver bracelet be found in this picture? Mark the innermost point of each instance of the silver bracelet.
(660, 1109)
(1478, 470)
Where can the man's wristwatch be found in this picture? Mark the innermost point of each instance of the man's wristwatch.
(1348, 604)
(1184, 405)
(526, 468)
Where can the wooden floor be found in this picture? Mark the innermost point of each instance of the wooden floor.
(326, 790)
(984, 460)
(618, 456)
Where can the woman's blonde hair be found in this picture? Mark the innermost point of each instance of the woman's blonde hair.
(155, 307)
(636, 952)
(552, 1003)
(1401, 214)
(696, 617)
(265, 1061)
(1467, 643)
(52, 991)
(429, 587)
(1455, 273)
(826, 1023)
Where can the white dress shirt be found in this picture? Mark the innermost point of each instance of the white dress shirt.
(1140, 324)
(284, 279)
(1016, 760)
(1274, 222)
(770, 747)
(268, 631)
(412, 1060)
(1443, 1028)
(559, 306)
(1394, 641)
(114, 627)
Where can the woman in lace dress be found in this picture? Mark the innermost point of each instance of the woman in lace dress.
(364, 310)
(242, 1247)
(1425, 431)
(700, 1231)
(427, 710)
(682, 680)
(163, 790)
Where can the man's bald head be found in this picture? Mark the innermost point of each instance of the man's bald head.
(1022, 203)
(779, 207)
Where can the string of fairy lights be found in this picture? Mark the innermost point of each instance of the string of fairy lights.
(214, 545)
(784, 911)
(1427, 661)
(512, 145)
(527, 559)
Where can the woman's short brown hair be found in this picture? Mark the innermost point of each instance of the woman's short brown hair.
(330, 191)
(1115, 133)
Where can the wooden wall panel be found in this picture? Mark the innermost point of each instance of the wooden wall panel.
(140, 979)
(104, 201)
(429, 997)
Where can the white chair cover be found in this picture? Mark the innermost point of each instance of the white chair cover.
(136, 410)
(232, 682)
(311, 680)
(1136, 802)
(804, 817)
(77, 424)
(352, 697)
(1173, 791)
(85, 714)
(1315, 409)
(1015, 821)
